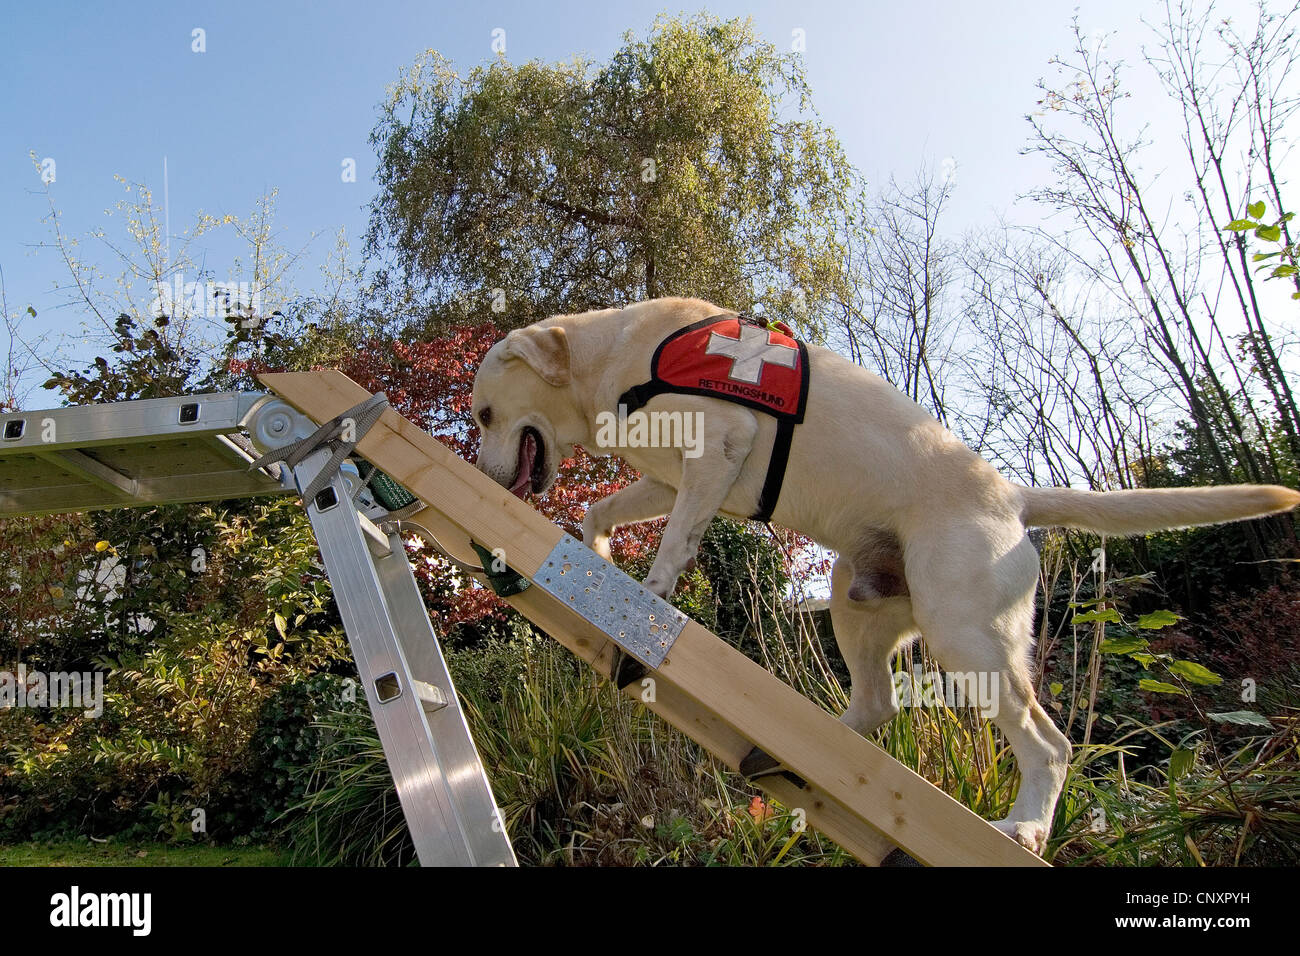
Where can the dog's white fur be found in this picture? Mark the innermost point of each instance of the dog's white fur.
(930, 537)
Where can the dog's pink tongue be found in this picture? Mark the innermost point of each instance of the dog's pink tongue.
(524, 476)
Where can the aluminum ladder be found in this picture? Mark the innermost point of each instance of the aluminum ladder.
(201, 448)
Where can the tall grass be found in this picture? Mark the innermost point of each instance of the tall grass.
(350, 815)
(587, 776)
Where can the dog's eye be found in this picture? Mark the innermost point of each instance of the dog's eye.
(485, 417)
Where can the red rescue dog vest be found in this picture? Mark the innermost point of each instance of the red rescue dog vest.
(736, 358)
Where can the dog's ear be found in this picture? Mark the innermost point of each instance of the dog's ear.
(545, 349)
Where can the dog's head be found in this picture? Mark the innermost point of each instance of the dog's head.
(524, 409)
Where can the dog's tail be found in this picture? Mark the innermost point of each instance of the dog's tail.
(1151, 509)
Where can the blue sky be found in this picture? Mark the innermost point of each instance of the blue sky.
(286, 91)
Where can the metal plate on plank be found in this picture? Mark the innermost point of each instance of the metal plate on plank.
(637, 620)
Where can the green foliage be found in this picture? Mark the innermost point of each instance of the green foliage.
(672, 169)
(191, 658)
(739, 559)
(350, 814)
(151, 364)
(1150, 799)
(133, 853)
(1272, 233)
(1131, 644)
(1177, 771)
(288, 738)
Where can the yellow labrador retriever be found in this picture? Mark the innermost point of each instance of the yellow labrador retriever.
(930, 537)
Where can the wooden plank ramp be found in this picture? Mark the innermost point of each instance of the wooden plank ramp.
(855, 793)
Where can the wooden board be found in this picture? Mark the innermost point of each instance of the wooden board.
(857, 794)
(671, 704)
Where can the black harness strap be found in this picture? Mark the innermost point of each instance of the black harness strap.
(637, 396)
(775, 471)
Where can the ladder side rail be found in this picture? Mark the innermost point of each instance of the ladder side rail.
(457, 753)
(440, 825)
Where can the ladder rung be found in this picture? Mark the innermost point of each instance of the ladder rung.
(431, 697)
(376, 540)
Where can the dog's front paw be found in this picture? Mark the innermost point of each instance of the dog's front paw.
(600, 544)
(658, 586)
(1032, 836)
(659, 582)
(596, 540)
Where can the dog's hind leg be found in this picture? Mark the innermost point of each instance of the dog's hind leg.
(973, 599)
(868, 633)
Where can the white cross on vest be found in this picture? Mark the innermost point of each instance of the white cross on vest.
(750, 353)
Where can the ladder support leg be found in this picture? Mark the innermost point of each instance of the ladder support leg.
(444, 791)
